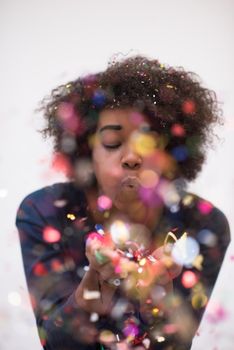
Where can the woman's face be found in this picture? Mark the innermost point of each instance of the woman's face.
(128, 157)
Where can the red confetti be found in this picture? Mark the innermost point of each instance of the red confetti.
(56, 265)
(60, 163)
(188, 107)
(40, 270)
(177, 130)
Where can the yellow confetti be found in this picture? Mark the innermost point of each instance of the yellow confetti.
(142, 262)
(71, 216)
(187, 200)
(155, 311)
(144, 145)
(198, 262)
(199, 300)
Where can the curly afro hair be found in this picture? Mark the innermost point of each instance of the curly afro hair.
(173, 99)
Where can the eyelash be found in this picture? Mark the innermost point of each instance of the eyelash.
(111, 147)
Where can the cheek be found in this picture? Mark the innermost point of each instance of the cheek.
(107, 171)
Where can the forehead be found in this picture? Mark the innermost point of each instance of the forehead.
(126, 117)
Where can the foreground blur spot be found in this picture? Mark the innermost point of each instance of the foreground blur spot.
(104, 203)
(51, 235)
(185, 251)
(149, 178)
(189, 279)
(119, 232)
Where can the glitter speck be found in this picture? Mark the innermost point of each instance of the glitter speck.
(94, 317)
(160, 339)
(71, 216)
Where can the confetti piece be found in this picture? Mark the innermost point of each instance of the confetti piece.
(51, 235)
(144, 145)
(99, 98)
(197, 263)
(60, 163)
(149, 178)
(104, 203)
(71, 216)
(94, 317)
(185, 250)
(207, 237)
(119, 308)
(160, 339)
(101, 259)
(188, 107)
(216, 313)
(142, 262)
(204, 207)
(60, 203)
(91, 294)
(170, 328)
(188, 200)
(40, 269)
(106, 337)
(119, 232)
(131, 329)
(155, 311)
(177, 130)
(189, 279)
(57, 266)
(67, 117)
(199, 300)
(180, 153)
(146, 343)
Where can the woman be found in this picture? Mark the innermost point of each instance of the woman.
(121, 256)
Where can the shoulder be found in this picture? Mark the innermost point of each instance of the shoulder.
(201, 214)
(51, 199)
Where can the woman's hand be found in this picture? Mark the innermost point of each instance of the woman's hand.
(102, 256)
(155, 269)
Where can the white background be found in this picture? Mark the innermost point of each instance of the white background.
(48, 42)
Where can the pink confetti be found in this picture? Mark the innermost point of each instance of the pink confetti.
(216, 313)
(104, 203)
(51, 235)
(204, 207)
(189, 279)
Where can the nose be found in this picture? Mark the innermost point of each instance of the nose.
(131, 160)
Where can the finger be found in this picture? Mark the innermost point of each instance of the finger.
(173, 268)
(107, 272)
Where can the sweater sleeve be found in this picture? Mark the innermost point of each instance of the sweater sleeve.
(52, 280)
(212, 233)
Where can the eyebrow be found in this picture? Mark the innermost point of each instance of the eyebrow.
(111, 127)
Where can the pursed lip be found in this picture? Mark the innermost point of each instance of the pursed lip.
(130, 182)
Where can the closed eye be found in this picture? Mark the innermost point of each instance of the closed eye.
(112, 146)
